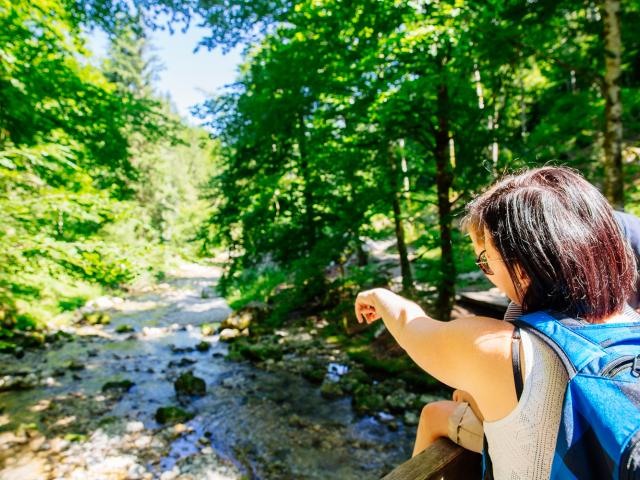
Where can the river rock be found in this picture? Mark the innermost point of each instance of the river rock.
(314, 372)
(400, 400)
(208, 329)
(410, 418)
(331, 390)
(366, 400)
(170, 474)
(176, 349)
(260, 352)
(352, 379)
(18, 382)
(171, 415)
(189, 384)
(122, 385)
(95, 318)
(101, 303)
(74, 365)
(203, 346)
(237, 320)
(134, 427)
(208, 292)
(124, 328)
(183, 362)
(228, 334)
(298, 422)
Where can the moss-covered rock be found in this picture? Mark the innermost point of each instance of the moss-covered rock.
(176, 349)
(298, 422)
(121, 385)
(411, 418)
(124, 328)
(208, 292)
(331, 390)
(203, 346)
(96, 318)
(183, 362)
(352, 379)
(260, 352)
(400, 400)
(208, 329)
(314, 372)
(171, 415)
(366, 400)
(189, 384)
(74, 365)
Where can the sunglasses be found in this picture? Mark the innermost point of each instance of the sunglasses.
(483, 263)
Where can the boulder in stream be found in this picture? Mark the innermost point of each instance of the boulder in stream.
(208, 329)
(172, 415)
(189, 384)
(228, 334)
(124, 328)
(203, 346)
(95, 318)
(208, 292)
(176, 349)
(121, 385)
(183, 362)
(74, 365)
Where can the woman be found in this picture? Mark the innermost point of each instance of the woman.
(548, 240)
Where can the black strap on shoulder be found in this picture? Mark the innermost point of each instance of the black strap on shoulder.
(517, 377)
(487, 466)
(515, 361)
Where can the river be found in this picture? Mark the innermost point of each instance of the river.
(250, 424)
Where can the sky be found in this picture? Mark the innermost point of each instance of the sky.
(188, 77)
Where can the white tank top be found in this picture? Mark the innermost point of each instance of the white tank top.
(522, 444)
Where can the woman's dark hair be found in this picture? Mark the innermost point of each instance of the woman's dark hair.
(559, 231)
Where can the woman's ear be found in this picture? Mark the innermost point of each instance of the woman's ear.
(523, 280)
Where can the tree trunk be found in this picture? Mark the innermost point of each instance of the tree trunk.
(444, 181)
(307, 189)
(613, 176)
(308, 205)
(405, 266)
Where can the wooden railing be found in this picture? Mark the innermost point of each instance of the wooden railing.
(442, 460)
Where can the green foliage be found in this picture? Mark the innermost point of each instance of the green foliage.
(342, 107)
(98, 179)
(252, 285)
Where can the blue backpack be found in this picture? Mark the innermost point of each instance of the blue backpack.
(599, 434)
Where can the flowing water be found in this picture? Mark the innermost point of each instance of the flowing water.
(250, 424)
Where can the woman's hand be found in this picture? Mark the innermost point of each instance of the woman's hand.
(368, 305)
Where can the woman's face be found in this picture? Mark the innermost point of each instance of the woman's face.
(500, 277)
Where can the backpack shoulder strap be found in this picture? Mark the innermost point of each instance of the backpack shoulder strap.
(562, 335)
